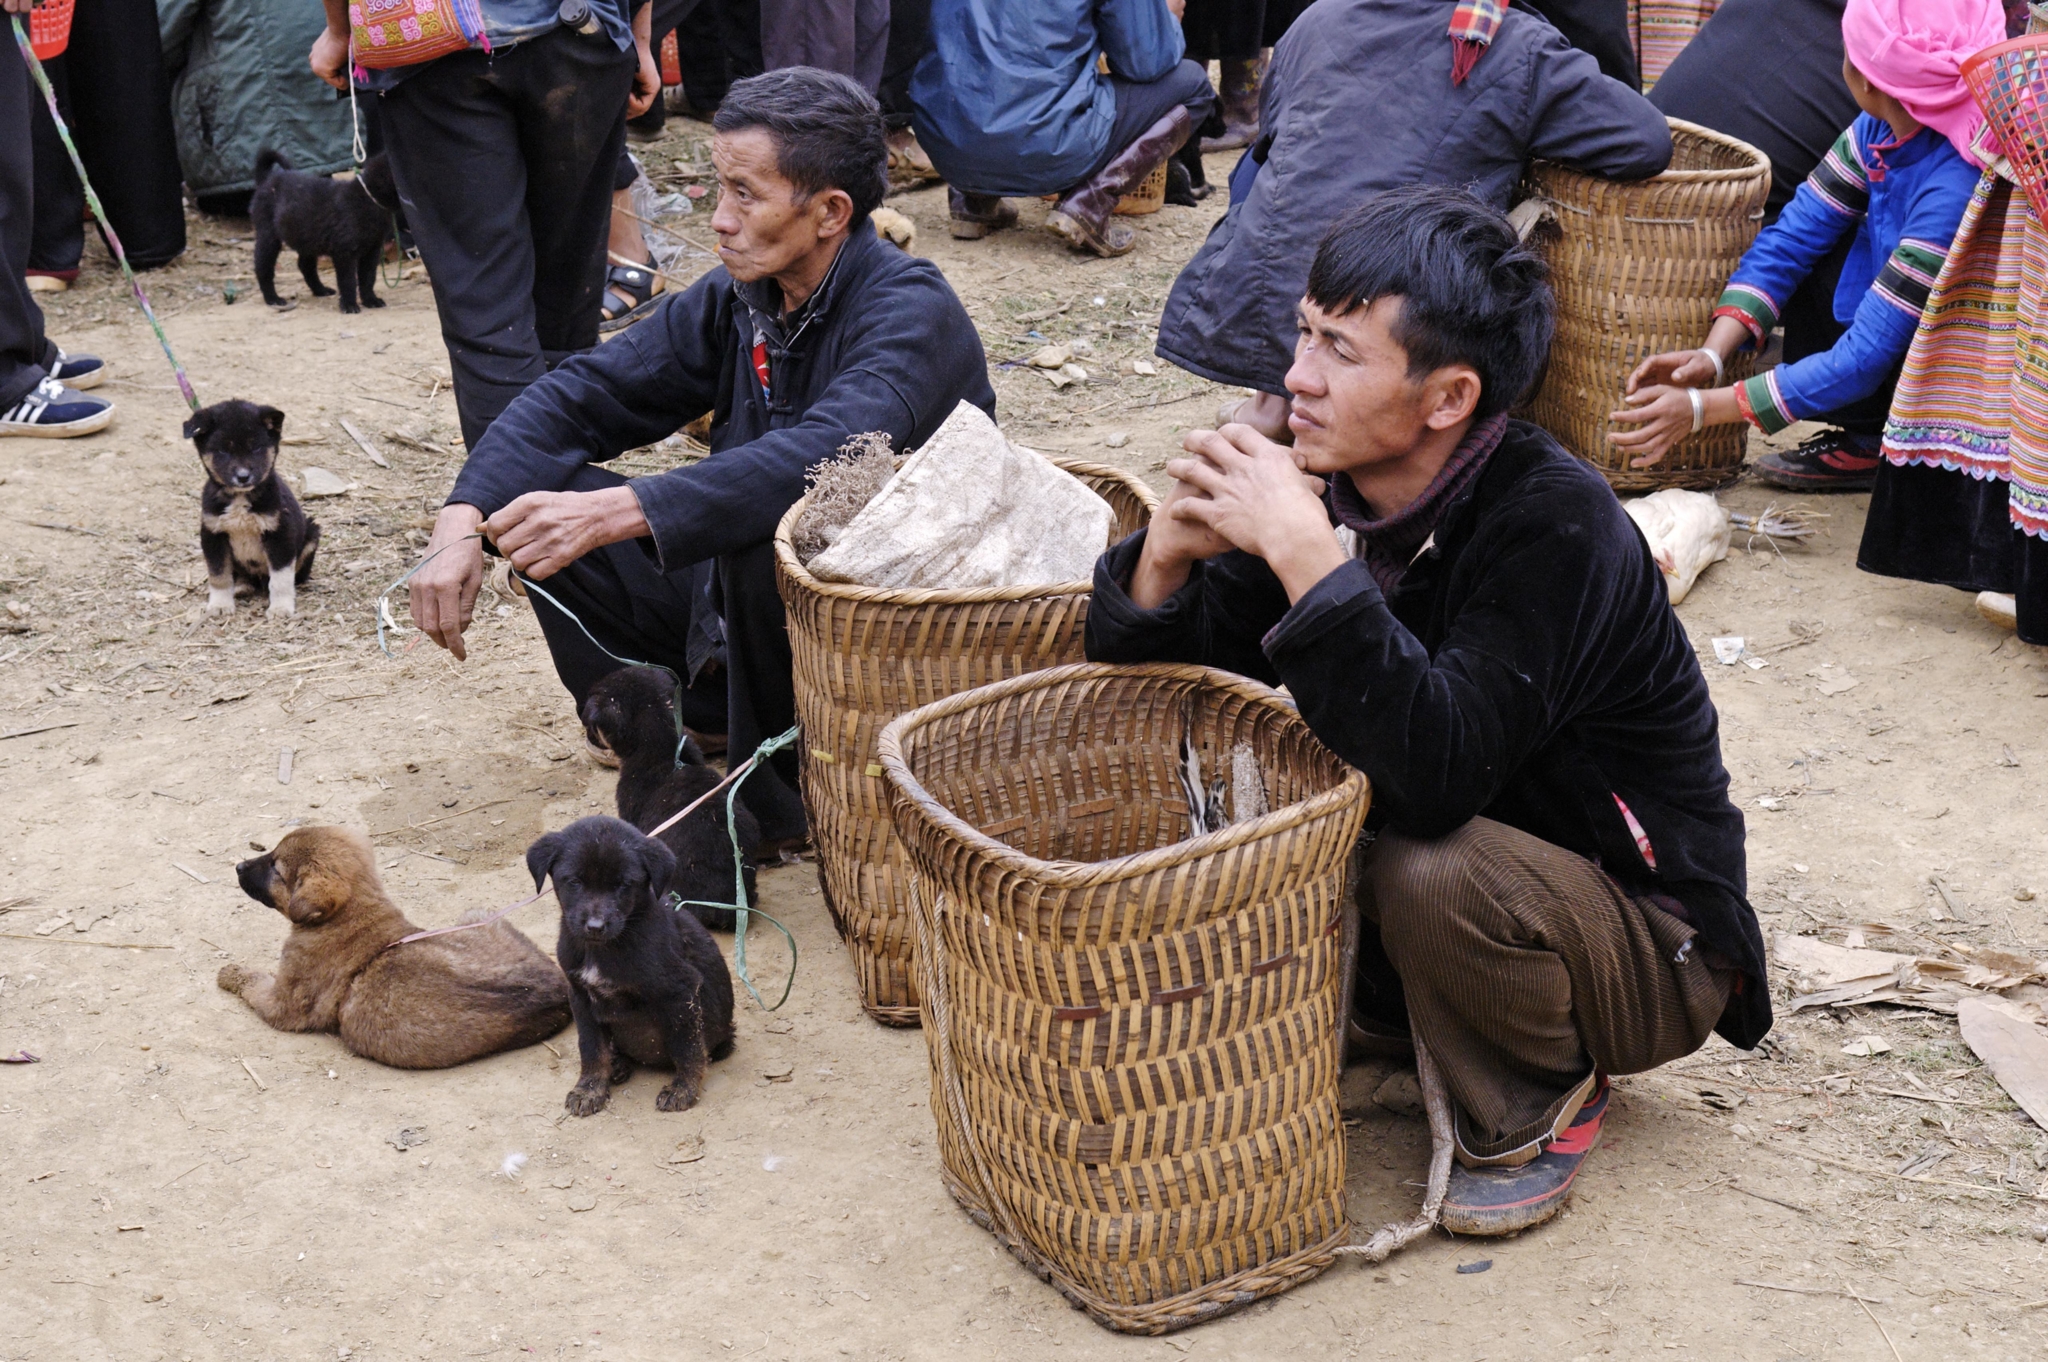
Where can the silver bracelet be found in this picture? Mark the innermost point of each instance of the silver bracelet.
(1720, 365)
(1699, 409)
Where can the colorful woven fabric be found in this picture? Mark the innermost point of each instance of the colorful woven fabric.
(1662, 28)
(1473, 24)
(1973, 396)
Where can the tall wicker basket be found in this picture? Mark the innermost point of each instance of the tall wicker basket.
(1135, 1034)
(865, 655)
(1637, 268)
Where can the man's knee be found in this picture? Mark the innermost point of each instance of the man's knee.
(1421, 889)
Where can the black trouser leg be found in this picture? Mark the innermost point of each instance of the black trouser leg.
(635, 610)
(504, 164)
(847, 36)
(1139, 106)
(59, 241)
(121, 98)
(1225, 30)
(761, 686)
(25, 352)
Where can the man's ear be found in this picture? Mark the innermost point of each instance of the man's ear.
(316, 895)
(540, 858)
(1451, 396)
(834, 212)
(659, 863)
(273, 421)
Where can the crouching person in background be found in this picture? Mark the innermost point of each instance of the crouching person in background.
(1558, 875)
(812, 330)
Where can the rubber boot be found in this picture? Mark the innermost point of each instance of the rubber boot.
(974, 216)
(1082, 216)
(1242, 78)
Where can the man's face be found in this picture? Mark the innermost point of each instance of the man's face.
(1354, 403)
(764, 226)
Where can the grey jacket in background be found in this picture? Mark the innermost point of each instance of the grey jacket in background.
(240, 82)
(1359, 99)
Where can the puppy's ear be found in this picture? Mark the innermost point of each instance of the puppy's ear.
(659, 863)
(199, 425)
(317, 893)
(540, 858)
(273, 421)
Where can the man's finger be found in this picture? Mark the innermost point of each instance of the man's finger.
(1199, 476)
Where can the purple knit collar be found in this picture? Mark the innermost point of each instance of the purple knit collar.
(1388, 546)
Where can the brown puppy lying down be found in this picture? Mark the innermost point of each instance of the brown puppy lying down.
(424, 1005)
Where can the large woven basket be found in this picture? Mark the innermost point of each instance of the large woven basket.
(1638, 267)
(1135, 1034)
(865, 655)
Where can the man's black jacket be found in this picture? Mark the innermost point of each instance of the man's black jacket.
(884, 344)
(1528, 668)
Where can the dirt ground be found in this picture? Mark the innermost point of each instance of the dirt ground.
(178, 1181)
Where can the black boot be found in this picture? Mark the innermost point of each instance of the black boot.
(1082, 216)
(1240, 104)
(974, 216)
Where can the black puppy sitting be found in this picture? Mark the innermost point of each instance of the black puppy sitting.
(646, 983)
(250, 526)
(346, 221)
(632, 712)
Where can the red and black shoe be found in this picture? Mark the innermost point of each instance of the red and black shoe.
(1502, 1200)
(1833, 461)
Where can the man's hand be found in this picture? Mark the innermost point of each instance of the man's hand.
(1252, 493)
(647, 79)
(329, 60)
(544, 532)
(1178, 9)
(444, 590)
(1172, 547)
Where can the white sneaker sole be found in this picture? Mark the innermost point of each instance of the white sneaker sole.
(84, 381)
(85, 425)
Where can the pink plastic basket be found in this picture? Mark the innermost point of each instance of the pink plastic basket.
(2009, 81)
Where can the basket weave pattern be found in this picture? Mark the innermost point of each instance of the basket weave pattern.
(1637, 268)
(864, 655)
(1135, 1035)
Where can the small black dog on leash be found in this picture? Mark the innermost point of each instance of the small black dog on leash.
(346, 221)
(633, 713)
(647, 984)
(250, 526)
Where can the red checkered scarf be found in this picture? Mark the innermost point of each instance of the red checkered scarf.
(1473, 24)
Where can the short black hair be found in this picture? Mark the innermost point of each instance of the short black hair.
(828, 131)
(1471, 292)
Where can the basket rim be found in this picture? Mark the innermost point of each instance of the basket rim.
(1758, 161)
(789, 563)
(1354, 788)
(1983, 57)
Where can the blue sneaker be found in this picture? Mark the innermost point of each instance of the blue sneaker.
(53, 411)
(1502, 1200)
(78, 372)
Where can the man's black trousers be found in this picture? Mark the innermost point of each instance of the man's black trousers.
(504, 163)
(25, 353)
(667, 618)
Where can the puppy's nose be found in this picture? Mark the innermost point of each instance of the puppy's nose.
(244, 476)
(593, 926)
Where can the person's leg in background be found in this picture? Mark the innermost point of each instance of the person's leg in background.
(631, 281)
(910, 27)
(58, 242)
(121, 98)
(1229, 33)
(508, 193)
(668, 16)
(847, 36)
(34, 400)
(1531, 976)
(1153, 120)
(1598, 28)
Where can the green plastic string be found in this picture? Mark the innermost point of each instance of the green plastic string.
(92, 198)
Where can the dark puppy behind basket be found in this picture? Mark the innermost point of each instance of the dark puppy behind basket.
(250, 526)
(424, 1005)
(646, 983)
(632, 712)
(347, 221)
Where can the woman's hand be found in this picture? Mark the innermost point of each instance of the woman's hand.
(1664, 416)
(1674, 368)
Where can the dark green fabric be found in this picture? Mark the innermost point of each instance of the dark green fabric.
(240, 83)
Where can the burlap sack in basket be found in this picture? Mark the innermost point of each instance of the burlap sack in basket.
(864, 655)
(1135, 1035)
(1637, 267)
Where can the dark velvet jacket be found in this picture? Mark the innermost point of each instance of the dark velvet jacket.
(1527, 668)
(883, 344)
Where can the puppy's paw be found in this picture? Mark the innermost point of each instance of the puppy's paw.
(220, 603)
(350, 308)
(283, 607)
(373, 302)
(586, 1100)
(232, 979)
(675, 1097)
(622, 1068)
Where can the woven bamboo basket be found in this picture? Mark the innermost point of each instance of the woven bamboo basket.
(1638, 268)
(1148, 197)
(863, 656)
(1135, 1035)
